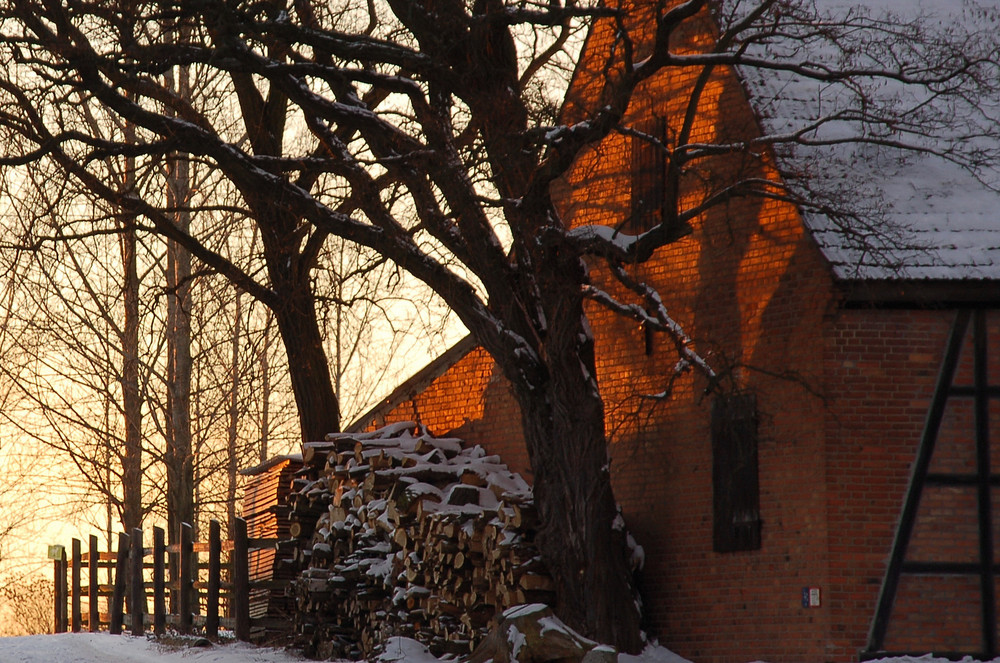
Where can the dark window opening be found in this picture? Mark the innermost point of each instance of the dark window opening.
(735, 486)
(649, 338)
(649, 177)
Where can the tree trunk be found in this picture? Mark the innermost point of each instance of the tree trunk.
(179, 456)
(308, 369)
(265, 389)
(298, 324)
(131, 395)
(234, 414)
(581, 537)
(583, 546)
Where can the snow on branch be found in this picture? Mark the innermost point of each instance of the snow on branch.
(655, 316)
(609, 236)
(609, 242)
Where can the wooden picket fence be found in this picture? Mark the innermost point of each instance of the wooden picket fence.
(197, 597)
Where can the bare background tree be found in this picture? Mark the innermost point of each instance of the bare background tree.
(27, 605)
(143, 369)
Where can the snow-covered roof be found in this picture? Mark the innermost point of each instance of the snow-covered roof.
(931, 215)
(271, 463)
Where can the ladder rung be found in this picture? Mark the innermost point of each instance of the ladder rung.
(959, 479)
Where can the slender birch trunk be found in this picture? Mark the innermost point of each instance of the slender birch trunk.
(234, 413)
(179, 456)
(131, 395)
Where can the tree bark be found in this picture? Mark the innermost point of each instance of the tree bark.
(583, 547)
(317, 404)
(234, 414)
(131, 395)
(179, 456)
(265, 389)
(582, 538)
(297, 320)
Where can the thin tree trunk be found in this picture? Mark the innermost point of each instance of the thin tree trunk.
(180, 461)
(233, 421)
(179, 456)
(105, 450)
(265, 391)
(131, 397)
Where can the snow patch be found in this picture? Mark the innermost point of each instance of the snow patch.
(405, 650)
(653, 653)
(637, 558)
(554, 625)
(516, 640)
(519, 611)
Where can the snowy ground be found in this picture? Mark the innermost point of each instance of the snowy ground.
(105, 648)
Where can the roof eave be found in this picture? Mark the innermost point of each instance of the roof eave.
(920, 293)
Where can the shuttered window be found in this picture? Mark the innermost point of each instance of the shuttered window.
(649, 177)
(735, 486)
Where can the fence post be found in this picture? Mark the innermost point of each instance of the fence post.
(241, 580)
(76, 615)
(159, 584)
(118, 598)
(59, 586)
(55, 595)
(214, 571)
(187, 579)
(137, 602)
(95, 614)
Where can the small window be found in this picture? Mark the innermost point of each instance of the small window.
(735, 486)
(649, 176)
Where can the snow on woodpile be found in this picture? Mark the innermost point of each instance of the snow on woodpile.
(405, 534)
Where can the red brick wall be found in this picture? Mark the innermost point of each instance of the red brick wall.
(752, 290)
(471, 401)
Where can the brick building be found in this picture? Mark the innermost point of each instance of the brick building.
(796, 473)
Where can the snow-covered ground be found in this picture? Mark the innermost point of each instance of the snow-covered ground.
(105, 648)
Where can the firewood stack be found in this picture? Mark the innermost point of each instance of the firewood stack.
(407, 534)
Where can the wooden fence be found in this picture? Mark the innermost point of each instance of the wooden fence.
(198, 595)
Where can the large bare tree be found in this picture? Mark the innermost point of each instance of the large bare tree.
(417, 129)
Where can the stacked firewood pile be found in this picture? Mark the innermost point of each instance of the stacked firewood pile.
(407, 534)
